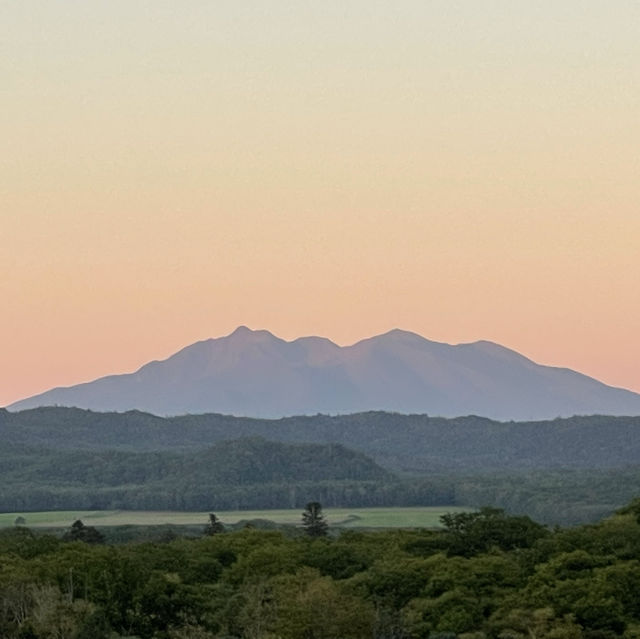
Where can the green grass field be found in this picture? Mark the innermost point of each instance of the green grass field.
(344, 517)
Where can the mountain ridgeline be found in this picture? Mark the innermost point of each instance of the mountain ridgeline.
(256, 374)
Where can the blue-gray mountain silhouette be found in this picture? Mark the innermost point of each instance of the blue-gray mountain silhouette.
(254, 373)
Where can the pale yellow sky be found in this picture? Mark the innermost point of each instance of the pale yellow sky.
(171, 170)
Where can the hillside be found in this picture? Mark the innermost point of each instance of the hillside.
(408, 443)
(563, 471)
(238, 462)
(251, 471)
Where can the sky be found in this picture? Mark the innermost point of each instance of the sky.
(464, 170)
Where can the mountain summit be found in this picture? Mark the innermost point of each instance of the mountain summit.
(255, 373)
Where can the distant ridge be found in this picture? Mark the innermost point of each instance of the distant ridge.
(256, 374)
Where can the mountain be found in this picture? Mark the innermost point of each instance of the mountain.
(254, 373)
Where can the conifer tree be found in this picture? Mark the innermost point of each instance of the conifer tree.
(313, 521)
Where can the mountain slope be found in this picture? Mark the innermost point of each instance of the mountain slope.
(255, 373)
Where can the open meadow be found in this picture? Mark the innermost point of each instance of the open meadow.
(415, 517)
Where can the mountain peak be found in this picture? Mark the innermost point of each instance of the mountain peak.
(241, 331)
(242, 328)
(245, 333)
(399, 333)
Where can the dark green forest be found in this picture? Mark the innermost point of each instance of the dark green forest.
(233, 475)
(564, 471)
(484, 575)
(401, 443)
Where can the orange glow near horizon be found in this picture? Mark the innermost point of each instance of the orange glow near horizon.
(464, 172)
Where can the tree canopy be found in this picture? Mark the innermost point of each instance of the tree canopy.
(574, 583)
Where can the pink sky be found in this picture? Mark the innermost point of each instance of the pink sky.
(170, 172)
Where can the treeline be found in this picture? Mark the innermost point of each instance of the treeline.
(416, 444)
(556, 497)
(60, 459)
(187, 496)
(484, 576)
(563, 498)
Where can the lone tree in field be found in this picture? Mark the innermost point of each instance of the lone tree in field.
(313, 521)
(214, 526)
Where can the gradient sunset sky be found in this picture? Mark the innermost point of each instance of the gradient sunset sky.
(170, 170)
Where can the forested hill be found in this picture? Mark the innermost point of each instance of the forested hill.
(243, 461)
(413, 443)
(243, 473)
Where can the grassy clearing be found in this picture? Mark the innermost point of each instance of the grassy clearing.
(53, 518)
(344, 517)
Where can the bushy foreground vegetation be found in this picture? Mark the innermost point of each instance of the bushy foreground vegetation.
(485, 575)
